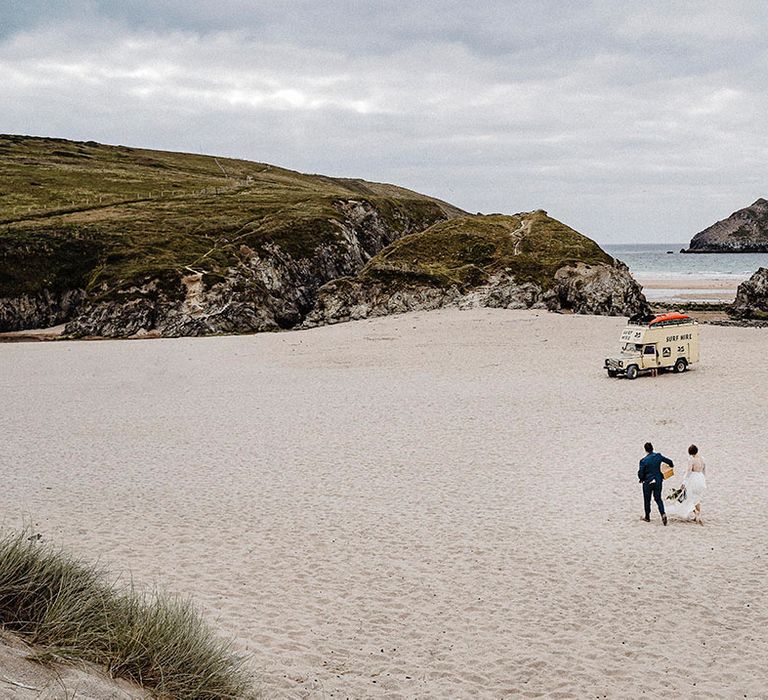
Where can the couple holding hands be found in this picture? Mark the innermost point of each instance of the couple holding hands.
(685, 502)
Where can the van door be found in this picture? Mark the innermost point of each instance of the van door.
(650, 357)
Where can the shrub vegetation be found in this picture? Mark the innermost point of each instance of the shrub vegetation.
(73, 610)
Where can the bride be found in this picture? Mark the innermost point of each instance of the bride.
(695, 484)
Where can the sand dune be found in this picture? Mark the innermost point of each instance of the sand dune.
(428, 505)
(24, 677)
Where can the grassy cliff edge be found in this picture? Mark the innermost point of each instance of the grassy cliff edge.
(82, 214)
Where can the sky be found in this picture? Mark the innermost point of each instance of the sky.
(629, 121)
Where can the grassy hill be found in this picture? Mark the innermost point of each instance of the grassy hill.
(86, 215)
(465, 251)
(526, 260)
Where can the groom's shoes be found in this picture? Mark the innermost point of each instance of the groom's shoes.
(664, 519)
(646, 518)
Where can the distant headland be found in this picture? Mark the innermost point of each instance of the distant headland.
(744, 231)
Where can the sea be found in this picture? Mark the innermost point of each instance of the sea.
(664, 261)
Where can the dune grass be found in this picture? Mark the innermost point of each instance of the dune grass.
(74, 610)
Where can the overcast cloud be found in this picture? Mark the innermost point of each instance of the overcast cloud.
(629, 121)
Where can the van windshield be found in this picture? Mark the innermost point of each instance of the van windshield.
(631, 347)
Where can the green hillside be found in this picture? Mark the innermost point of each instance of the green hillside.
(465, 251)
(85, 215)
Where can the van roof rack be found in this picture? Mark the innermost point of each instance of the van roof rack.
(670, 319)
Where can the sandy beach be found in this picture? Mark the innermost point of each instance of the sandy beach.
(422, 506)
(690, 288)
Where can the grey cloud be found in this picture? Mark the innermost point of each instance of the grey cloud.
(624, 120)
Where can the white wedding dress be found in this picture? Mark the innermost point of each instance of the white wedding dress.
(695, 481)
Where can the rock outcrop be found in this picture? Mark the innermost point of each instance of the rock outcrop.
(199, 246)
(752, 297)
(41, 310)
(744, 231)
(264, 290)
(196, 245)
(515, 262)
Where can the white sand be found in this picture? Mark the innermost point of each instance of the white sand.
(704, 283)
(689, 288)
(23, 678)
(429, 505)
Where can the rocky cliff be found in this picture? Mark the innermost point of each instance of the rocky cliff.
(119, 242)
(752, 297)
(116, 242)
(744, 231)
(259, 290)
(527, 260)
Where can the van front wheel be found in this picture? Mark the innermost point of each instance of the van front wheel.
(631, 371)
(680, 365)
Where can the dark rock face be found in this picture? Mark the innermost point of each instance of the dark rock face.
(41, 310)
(752, 297)
(520, 261)
(584, 289)
(602, 290)
(744, 231)
(266, 291)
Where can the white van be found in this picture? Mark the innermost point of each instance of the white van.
(667, 342)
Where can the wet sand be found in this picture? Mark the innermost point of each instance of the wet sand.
(428, 505)
(682, 289)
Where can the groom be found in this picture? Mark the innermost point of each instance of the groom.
(651, 478)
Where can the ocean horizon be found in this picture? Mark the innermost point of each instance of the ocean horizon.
(669, 275)
(654, 260)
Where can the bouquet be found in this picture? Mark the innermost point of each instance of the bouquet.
(677, 494)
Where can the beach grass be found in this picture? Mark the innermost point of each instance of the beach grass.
(74, 610)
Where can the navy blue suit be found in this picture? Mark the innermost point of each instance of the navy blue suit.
(651, 477)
